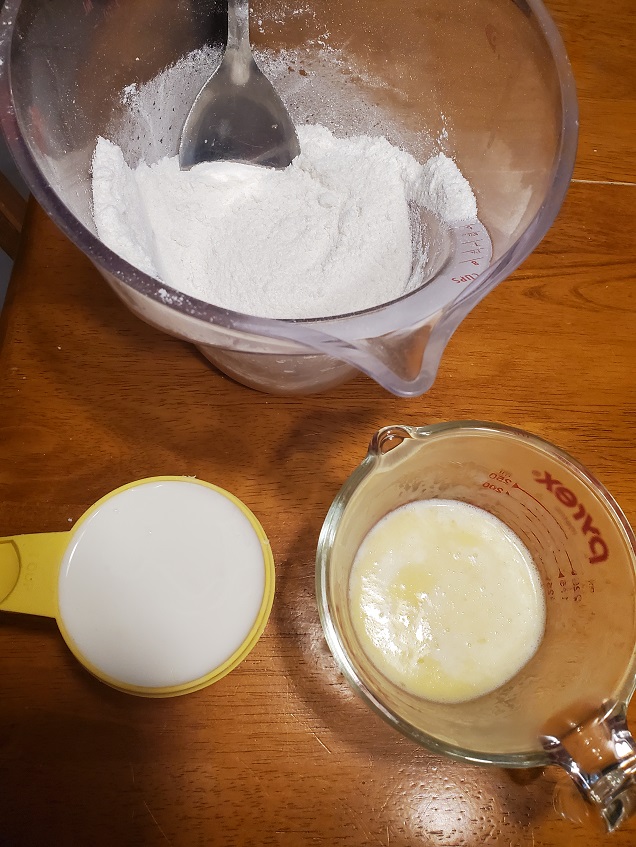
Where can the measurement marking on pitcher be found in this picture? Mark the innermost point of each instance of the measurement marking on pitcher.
(472, 244)
(573, 589)
(579, 512)
(506, 478)
(502, 482)
(572, 571)
(472, 248)
(597, 546)
(515, 485)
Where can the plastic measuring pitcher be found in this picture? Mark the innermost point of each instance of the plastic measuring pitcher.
(486, 82)
(567, 705)
(162, 587)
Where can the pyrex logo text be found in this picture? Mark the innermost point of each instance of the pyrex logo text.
(596, 543)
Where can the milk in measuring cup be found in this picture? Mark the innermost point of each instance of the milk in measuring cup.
(162, 584)
(446, 600)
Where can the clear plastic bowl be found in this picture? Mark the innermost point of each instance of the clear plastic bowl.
(485, 81)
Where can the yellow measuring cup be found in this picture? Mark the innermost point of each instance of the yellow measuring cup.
(161, 588)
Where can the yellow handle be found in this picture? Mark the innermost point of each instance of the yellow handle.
(29, 569)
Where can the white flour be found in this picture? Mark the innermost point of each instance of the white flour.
(329, 235)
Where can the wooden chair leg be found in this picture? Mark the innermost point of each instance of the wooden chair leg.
(12, 209)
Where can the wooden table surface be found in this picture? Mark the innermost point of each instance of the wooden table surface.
(280, 752)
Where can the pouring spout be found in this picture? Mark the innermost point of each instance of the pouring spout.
(400, 345)
(404, 362)
(396, 361)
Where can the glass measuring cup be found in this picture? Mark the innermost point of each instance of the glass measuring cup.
(567, 705)
(161, 588)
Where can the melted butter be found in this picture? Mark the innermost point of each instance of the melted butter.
(446, 600)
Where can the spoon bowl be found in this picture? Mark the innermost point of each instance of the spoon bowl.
(238, 116)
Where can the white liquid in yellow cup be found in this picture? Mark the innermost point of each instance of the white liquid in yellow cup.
(162, 587)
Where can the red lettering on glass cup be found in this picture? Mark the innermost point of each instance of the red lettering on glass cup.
(596, 543)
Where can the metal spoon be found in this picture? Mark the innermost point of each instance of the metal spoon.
(237, 115)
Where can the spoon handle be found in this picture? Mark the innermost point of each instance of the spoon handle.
(238, 24)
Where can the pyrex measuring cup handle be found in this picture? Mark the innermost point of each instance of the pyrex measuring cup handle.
(29, 568)
(600, 757)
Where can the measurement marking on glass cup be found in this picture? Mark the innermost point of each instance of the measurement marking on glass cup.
(506, 478)
(545, 508)
(578, 589)
(566, 590)
(597, 545)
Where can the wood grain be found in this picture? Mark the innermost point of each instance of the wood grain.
(280, 752)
